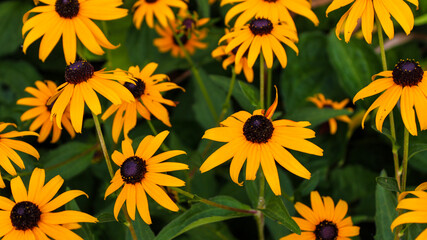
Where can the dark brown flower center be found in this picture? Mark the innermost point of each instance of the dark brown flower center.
(137, 88)
(150, 1)
(133, 170)
(270, 1)
(188, 23)
(407, 73)
(67, 8)
(78, 72)
(25, 215)
(258, 129)
(261, 26)
(326, 230)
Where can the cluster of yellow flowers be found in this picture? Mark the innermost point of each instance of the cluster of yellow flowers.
(254, 139)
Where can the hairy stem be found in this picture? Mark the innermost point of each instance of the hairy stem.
(110, 171)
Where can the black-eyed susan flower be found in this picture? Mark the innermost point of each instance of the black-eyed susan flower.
(321, 102)
(230, 58)
(190, 35)
(147, 89)
(323, 220)
(263, 34)
(417, 210)
(8, 147)
(81, 82)
(140, 172)
(31, 216)
(260, 140)
(41, 111)
(407, 83)
(161, 9)
(366, 11)
(70, 18)
(274, 10)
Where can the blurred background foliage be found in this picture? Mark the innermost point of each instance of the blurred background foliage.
(352, 160)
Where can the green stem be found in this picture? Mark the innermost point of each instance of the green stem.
(269, 85)
(261, 200)
(261, 81)
(154, 131)
(226, 104)
(103, 146)
(214, 204)
(391, 116)
(198, 78)
(110, 171)
(405, 159)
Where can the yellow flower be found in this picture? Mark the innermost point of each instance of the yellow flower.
(41, 111)
(417, 209)
(323, 221)
(146, 89)
(30, 216)
(366, 11)
(161, 9)
(140, 172)
(68, 18)
(260, 140)
(274, 10)
(80, 82)
(231, 58)
(8, 147)
(183, 28)
(263, 34)
(407, 83)
(321, 102)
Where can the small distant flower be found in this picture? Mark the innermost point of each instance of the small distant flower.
(407, 83)
(8, 147)
(263, 34)
(190, 31)
(161, 9)
(147, 89)
(366, 11)
(261, 141)
(322, 102)
(274, 10)
(80, 82)
(230, 58)
(70, 18)
(416, 207)
(30, 215)
(140, 172)
(323, 220)
(41, 111)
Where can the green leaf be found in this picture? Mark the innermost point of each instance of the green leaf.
(200, 107)
(276, 210)
(317, 116)
(416, 148)
(388, 183)
(106, 217)
(69, 159)
(252, 192)
(354, 62)
(250, 92)
(385, 204)
(201, 214)
(142, 230)
(11, 13)
(238, 93)
(308, 75)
